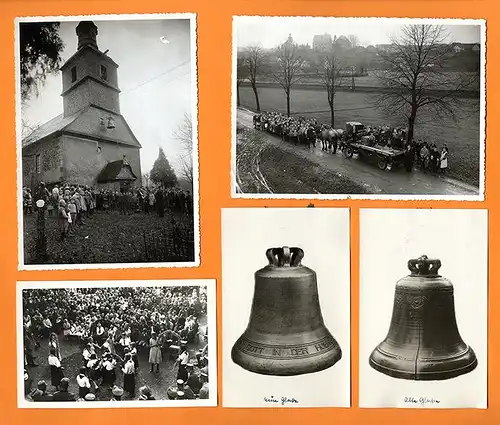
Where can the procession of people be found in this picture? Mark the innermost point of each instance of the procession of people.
(427, 156)
(73, 205)
(119, 336)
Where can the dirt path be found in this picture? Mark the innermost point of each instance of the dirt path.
(374, 181)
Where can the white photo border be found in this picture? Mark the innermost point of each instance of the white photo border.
(195, 154)
(235, 189)
(210, 284)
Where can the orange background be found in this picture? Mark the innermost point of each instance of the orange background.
(214, 25)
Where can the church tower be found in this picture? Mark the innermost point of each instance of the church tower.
(89, 77)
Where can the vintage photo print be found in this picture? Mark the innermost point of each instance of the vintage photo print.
(423, 308)
(117, 344)
(286, 307)
(361, 108)
(107, 141)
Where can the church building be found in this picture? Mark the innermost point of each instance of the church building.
(90, 143)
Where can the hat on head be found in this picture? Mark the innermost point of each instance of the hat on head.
(180, 382)
(189, 364)
(117, 391)
(180, 394)
(90, 397)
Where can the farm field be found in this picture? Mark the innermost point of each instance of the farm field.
(371, 80)
(462, 136)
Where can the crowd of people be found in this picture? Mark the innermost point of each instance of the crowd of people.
(113, 328)
(426, 155)
(72, 205)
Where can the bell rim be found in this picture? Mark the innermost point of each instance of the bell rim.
(298, 366)
(428, 375)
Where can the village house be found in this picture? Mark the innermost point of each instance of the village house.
(90, 143)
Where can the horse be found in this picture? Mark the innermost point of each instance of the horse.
(307, 135)
(329, 139)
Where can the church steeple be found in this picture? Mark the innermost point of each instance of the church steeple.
(87, 34)
(89, 77)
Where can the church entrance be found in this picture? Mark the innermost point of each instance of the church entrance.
(125, 186)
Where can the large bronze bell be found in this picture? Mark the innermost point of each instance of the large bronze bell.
(423, 342)
(286, 334)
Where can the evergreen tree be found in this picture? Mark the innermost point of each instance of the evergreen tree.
(162, 173)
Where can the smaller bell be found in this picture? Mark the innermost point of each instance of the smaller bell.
(423, 342)
(286, 334)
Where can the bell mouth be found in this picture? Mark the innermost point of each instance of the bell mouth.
(285, 256)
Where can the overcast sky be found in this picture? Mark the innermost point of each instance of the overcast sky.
(271, 31)
(162, 70)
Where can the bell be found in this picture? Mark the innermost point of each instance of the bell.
(286, 334)
(423, 342)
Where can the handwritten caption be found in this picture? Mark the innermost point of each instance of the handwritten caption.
(423, 401)
(282, 401)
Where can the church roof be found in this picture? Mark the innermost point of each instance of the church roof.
(50, 127)
(86, 123)
(115, 171)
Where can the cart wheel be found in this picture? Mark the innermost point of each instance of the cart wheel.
(382, 164)
(348, 152)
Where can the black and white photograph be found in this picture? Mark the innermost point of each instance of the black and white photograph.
(423, 308)
(360, 108)
(286, 307)
(107, 144)
(117, 344)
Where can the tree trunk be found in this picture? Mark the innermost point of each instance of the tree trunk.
(238, 95)
(288, 103)
(411, 125)
(332, 113)
(257, 102)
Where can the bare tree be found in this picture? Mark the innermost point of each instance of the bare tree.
(332, 79)
(289, 62)
(241, 75)
(354, 39)
(254, 59)
(184, 134)
(416, 77)
(27, 128)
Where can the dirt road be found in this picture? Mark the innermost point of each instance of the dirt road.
(367, 176)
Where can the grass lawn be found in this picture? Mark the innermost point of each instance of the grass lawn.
(259, 162)
(105, 238)
(462, 136)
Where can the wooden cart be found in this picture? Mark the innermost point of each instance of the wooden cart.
(386, 157)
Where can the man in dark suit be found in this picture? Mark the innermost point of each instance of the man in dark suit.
(63, 394)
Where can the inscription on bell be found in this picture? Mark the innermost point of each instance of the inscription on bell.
(284, 352)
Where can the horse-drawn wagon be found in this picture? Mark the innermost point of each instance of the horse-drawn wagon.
(385, 156)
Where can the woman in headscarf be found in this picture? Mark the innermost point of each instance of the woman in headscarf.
(54, 345)
(443, 165)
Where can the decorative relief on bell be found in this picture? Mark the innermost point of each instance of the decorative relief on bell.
(423, 342)
(286, 334)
